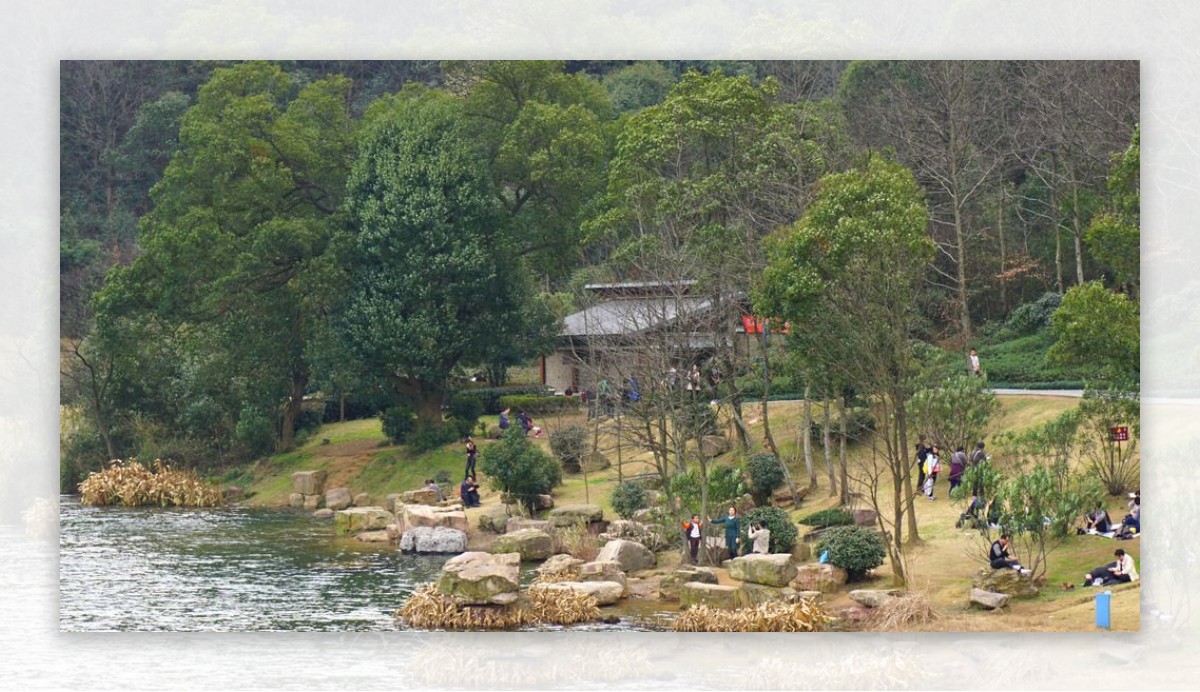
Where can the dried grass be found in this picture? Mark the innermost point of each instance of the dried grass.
(556, 607)
(429, 608)
(902, 613)
(576, 541)
(805, 616)
(130, 484)
(556, 576)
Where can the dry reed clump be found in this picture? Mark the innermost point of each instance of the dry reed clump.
(902, 613)
(556, 576)
(429, 608)
(805, 616)
(563, 608)
(131, 484)
(576, 541)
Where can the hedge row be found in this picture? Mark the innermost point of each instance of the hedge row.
(539, 404)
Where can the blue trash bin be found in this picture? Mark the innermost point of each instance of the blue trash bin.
(1103, 610)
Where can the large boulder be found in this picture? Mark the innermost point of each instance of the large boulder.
(775, 569)
(670, 585)
(362, 500)
(713, 445)
(531, 544)
(631, 555)
(423, 539)
(433, 517)
(296, 501)
(603, 571)
(865, 517)
(359, 519)
(874, 598)
(987, 599)
(605, 592)
(323, 513)
(477, 578)
(712, 595)
(571, 515)
(338, 498)
(518, 523)
(1006, 581)
(559, 563)
(760, 594)
(801, 552)
(493, 519)
(391, 502)
(424, 496)
(593, 462)
(312, 502)
(309, 482)
(634, 531)
(817, 577)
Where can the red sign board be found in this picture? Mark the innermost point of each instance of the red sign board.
(1119, 433)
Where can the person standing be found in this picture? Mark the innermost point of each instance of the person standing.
(693, 380)
(958, 464)
(978, 456)
(974, 359)
(922, 452)
(761, 535)
(733, 527)
(693, 530)
(471, 452)
(504, 419)
(932, 467)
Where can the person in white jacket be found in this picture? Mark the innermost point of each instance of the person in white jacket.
(761, 535)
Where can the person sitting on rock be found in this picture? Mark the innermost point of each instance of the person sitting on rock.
(761, 535)
(1000, 558)
(430, 484)
(733, 527)
(469, 492)
(693, 530)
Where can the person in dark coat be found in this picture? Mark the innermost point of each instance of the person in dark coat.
(958, 464)
(472, 450)
(922, 452)
(733, 527)
(694, 532)
(469, 492)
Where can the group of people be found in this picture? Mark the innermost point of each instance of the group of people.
(929, 465)
(1098, 522)
(758, 534)
(526, 421)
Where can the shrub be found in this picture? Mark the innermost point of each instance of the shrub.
(855, 549)
(309, 418)
(464, 413)
(569, 444)
(629, 497)
(538, 404)
(255, 431)
(828, 517)
(1031, 317)
(576, 541)
(783, 531)
(725, 486)
(766, 474)
(426, 437)
(520, 469)
(398, 422)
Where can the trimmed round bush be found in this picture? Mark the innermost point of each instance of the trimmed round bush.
(856, 549)
(783, 531)
(828, 517)
(519, 468)
(766, 474)
(629, 497)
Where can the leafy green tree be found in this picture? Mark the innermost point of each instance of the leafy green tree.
(435, 280)
(1114, 236)
(638, 85)
(956, 413)
(766, 474)
(1100, 329)
(852, 270)
(235, 245)
(1038, 508)
(517, 467)
(629, 497)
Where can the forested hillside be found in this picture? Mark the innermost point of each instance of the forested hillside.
(247, 249)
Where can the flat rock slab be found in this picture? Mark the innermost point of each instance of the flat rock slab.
(712, 595)
(988, 599)
(570, 515)
(518, 523)
(670, 585)
(603, 571)
(477, 578)
(423, 539)
(760, 594)
(338, 498)
(324, 513)
(424, 496)
(775, 569)
(362, 500)
(817, 577)
(873, 598)
(530, 544)
(1006, 581)
(359, 519)
(559, 563)
(632, 556)
(433, 517)
(605, 592)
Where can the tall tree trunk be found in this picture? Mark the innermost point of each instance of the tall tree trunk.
(845, 469)
(1077, 231)
(964, 315)
(292, 411)
(1003, 254)
(1058, 258)
(826, 447)
(342, 407)
(806, 435)
(904, 469)
(768, 439)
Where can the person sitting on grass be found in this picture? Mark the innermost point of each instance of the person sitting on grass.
(1132, 523)
(1000, 558)
(1120, 571)
(970, 516)
(1097, 521)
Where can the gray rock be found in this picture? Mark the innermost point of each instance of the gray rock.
(670, 585)
(713, 445)
(873, 598)
(433, 517)
(774, 569)
(988, 599)
(323, 513)
(632, 556)
(493, 519)
(594, 462)
(311, 502)
(380, 536)
(1006, 581)
(518, 523)
(309, 482)
(865, 517)
(571, 515)
(391, 502)
(603, 571)
(296, 501)
(424, 539)
(477, 578)
(712, 595)
(605, 592)
(338, 498)
(531, 544)
(424, 496)
(817, 577)
(559, 563)
(362, 500)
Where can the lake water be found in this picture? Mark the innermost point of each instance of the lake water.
(233, 569)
